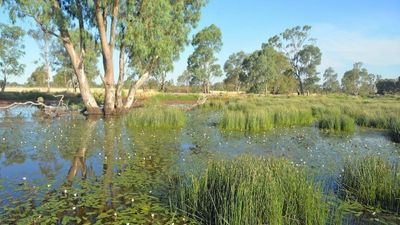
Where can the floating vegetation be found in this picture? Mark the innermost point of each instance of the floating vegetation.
(251, 190)
(373, 182)
(156, 117)
(337, 124)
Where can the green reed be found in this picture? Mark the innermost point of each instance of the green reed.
(250, 190)
(372, 181)
(156, 117)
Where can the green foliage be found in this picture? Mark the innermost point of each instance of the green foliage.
(261, 68)
(337, 123)
(394, 125)
(38, 77)
(154, 47)
(65, 75)
(247, 121)
(202, 62)
(11, 50)
(304, 57)
(373, 182)
(331, 83)
(233, 68)
(250, 190)
(388, 86)
(358, 81)
(156, 117)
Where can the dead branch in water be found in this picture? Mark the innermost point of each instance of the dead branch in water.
(200, 101)
(49, 110)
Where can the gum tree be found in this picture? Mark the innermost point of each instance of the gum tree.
(233, 67)
(202, 62)
(303, 55)
(11, 50)
(147, 33)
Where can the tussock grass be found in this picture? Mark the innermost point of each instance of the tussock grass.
(250, 190)
(156, 117)
(247, 121)
(395, 129)
(337, 124)
(372, 181)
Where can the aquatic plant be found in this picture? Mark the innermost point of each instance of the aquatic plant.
(395, 129)
(156, 117)
(250, 190)
(247, 121)
(337, 123)
(292, 117)
(373, 182)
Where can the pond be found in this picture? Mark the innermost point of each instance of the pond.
(98, 171)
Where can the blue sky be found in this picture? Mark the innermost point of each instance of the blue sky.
(346, 31)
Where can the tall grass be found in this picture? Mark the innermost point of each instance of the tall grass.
(247, 121)
(337, 124)
(264, 120)
(156, 117)
(250, 190)
(372, 181)
(395, 129)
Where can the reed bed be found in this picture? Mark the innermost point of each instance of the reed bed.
(395, 129)
(372, 181)
(156, 117)
(250, 190)
(291, 111)
(337, 124)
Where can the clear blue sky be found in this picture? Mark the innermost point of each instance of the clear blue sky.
(346, 31)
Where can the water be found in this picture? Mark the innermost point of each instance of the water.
(40, 156)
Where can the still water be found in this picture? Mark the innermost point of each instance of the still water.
(98, 171)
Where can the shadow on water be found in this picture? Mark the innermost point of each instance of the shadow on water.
(82, 170)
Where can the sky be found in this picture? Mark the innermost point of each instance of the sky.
(347, 31)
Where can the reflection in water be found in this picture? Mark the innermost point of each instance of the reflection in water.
(90, 170)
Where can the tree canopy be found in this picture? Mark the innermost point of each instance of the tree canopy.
(11, 51)
(303, 55)
(202, 62)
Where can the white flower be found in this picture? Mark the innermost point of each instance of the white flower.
(24, 178)
(73, 208)
(152, 215)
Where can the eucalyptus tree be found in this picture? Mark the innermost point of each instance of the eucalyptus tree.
(147, 34)
(233, 67)
(303, 55)
(331, 83)
(62, 64)
(11, 51)
(262, 69)
(358, 81)
(202, 62)
(43, 39)
(38, 77)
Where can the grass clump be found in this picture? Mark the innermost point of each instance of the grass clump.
(395, 129)
(251, 190)
(337, 123)
(247, 121)
(156, 117)
(372, 181)
(292, 117)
